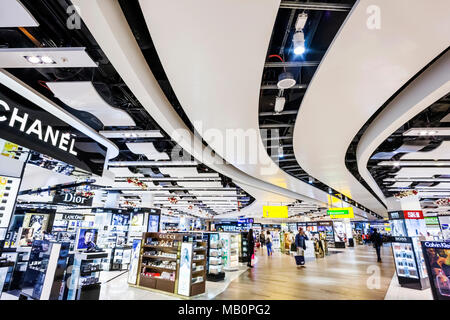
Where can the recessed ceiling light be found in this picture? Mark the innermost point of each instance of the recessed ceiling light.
(47, 60)
(286, 80)
(33, 59)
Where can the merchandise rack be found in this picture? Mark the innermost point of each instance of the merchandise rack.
(243, 244)
(214, 264)
(160, 253)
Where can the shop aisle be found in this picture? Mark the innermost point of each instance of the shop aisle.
(341, 276)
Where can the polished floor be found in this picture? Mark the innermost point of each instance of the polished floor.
(350, 274)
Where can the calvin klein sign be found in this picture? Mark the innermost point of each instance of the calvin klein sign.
(73, 199)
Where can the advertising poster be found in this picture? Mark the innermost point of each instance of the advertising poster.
(153, 223)
(119, 219)
(25, 237)
(37, 221)
(137, 220)
(134, 263)
(437, 260)
(339, 231)
(445, 226)
(184, 284)
(86, 239)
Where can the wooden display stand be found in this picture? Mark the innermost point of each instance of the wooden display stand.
(168, 248)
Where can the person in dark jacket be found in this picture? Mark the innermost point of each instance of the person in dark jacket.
(250, 247)
(377, 243)
(300, 242)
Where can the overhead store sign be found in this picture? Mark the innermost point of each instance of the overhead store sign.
(27, 125)
(341, 213)
(275, 211)
(72, 198)
(431, 221)
(395, 215)
(73, 216)
(413, 214)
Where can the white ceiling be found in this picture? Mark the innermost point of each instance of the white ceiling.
(442, 152)
(204, 85)
(148, 150)
(82, 96)
(108, 25)
(70, 57)
(14, 14)
(361, 70)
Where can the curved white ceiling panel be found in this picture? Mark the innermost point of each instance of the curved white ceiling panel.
(29, 93)
(442, 152)
(428, 87)
(364, 66)
(82, 96)
(108, 25)
(183, 172)
(421, 172)
(14, 14)
(217, 39)
(124, 172)
(148, 150)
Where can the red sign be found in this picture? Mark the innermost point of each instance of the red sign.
(413, 214)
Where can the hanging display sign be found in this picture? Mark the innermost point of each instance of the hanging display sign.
(395, 215)
(72, 198)
(413, 214)
(436, 254)
(431, 221)
(27, 125)
(275, 211)
(341, 213)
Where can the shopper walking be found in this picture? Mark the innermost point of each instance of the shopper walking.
(268, 239)
(377, 243)
(262, 239)
(300, 243)
(250, 247)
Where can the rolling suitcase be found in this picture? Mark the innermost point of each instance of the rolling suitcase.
(300, 260)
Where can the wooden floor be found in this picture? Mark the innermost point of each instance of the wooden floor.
(339, 276)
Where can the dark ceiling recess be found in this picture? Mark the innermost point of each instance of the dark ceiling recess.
(323, 23)
(428, 118)
(53, 32)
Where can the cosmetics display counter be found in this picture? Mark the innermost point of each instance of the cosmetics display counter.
(84, 280)
(230, 251)
(214, 264)
(173, 262)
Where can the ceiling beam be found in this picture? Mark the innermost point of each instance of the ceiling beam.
(315, 6)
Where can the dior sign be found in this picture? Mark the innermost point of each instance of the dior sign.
(72, 198)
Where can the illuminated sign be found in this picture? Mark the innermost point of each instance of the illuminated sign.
(275, 211)
(47, 134)
(413, 214)
(431, 221)
(341, 213)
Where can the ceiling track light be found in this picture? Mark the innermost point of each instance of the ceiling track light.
(298, 42)
(39, 59)
(286, 81)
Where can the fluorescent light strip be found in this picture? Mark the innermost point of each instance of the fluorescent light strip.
(132, 134)
(423, 132)
(151, 163)
(412, 163)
